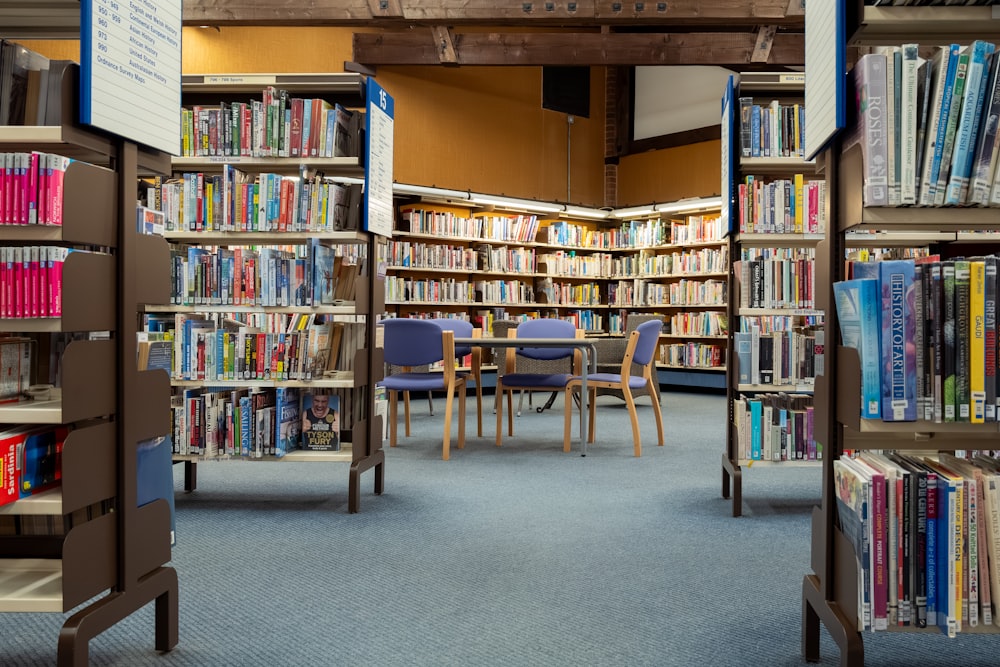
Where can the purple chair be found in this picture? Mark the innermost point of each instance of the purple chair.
(409, 343)
(642, 345)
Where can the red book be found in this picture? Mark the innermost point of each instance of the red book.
(295, 132)
(9, 469)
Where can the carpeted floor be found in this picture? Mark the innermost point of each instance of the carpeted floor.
(519, 556)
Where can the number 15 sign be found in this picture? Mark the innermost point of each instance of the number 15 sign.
(378, 167)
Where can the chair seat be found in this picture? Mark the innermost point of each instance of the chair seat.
(414, 382)
(536, 380)
(634, 381)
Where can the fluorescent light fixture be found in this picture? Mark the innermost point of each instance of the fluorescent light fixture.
(634, 211)
(425, 191)
(579, 212)
(700, 203)
(348, 180)
(509, 202)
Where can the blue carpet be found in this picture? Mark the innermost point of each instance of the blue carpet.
(521, 555)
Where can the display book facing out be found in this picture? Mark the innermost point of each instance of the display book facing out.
(906, 540)
(272, 295)
(778, 215)
(86, 431)
(449, 260)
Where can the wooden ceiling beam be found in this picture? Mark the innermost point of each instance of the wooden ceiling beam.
(565, 13)
(729, 49)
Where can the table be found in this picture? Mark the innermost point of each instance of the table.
(586, 347)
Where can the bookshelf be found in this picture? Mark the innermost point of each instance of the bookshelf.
(831, 589)
(100, 551)
(241, 156)
(450, 258)
(778, 217)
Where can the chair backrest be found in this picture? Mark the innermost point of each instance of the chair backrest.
(546, 328)
(461, 328)
(647, 336)
(412, 342)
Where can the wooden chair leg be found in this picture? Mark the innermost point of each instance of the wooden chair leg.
(479, 406)
(393, 416)
(654, 395)
(498, 408)
(461, 416)
(406, 411)
(634, 417)
(510, 412)
(446, 445)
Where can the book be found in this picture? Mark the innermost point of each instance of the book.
(853, 518)
(857, 314)
(943, 65)
(977, 341)
(868, 81)
(962, 343)
(948, 339)
(951, 124)
(899, 382)
(907, 122)
(288, 421)
(320, 421)
(987, 138)
(957, 189)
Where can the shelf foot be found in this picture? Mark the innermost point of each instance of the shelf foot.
(160, 585)
(731, 472)
(816, 609)
(190, 475)
(374, 460)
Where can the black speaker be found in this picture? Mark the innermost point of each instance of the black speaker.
(566, 89)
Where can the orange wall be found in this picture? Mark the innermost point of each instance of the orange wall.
(465, 128)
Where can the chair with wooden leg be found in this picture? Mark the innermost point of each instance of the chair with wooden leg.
(641, 349)
(409, 343)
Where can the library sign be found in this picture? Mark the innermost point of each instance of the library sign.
(130, 70)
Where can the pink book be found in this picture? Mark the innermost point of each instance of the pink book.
(55, 304)
(4, 281)
(18, 213)
(59, 166)
(45, 296)
(4, 188)
(33, 166)
(18, 296)
(34, 281)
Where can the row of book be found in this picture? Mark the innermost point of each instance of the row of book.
(31, 188)
(782, 206)
(926, 535)
(697, 229)
(772, 129)
(30, 86)
(693, 355)
(710, 323)
(235, 201)
(221, 348)
(775, 427)
(792, 357)
(636, 233)
(485, 227)
(928, 127)
(417, 255)
(780, 278)
(639, 292)
(276, 125)
(265, 276)
(551, 292)
(31, 280)
(567, 263)
(254, 423)
(926, 335)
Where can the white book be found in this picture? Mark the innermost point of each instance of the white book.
(908, 125)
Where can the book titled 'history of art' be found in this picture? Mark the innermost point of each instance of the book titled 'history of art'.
(898, 328)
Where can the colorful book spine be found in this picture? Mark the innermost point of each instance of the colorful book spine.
(977, 341)
(962, 328)
(898, 328)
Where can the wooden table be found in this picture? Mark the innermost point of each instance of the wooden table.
(586, 347)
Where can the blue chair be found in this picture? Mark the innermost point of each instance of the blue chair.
(463, 329)
(411, 342)
(642, 345)
(510, 381)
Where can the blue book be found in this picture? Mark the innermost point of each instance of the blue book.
(898, 331)
(932, 548)
(756, 428)
(755, 131)
(947, 65)
(857, 313)
(968, 122)
(245, 418)
(287, 423)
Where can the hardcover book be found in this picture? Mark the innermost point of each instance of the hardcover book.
(868, 80)
(857, 313)
(898, 328)
(320, 421)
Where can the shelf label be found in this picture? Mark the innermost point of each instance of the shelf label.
(378, 165)
(130, 70)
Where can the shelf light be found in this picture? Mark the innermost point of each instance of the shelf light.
(634, 211)
(521, 204)
(685, 205)
(580, 212)
(425, 191)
